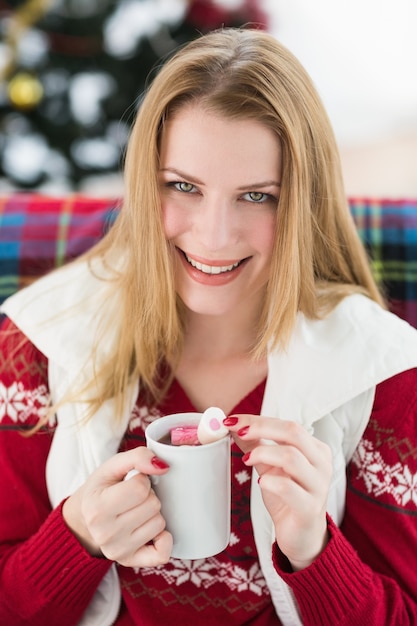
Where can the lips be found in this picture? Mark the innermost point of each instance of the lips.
(211, 269)
(213, 273)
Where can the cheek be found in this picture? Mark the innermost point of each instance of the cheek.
(172, 219)
(265, 235)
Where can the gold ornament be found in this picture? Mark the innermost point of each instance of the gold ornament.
(25, 91)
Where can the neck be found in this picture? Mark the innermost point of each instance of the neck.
(216, 367)
(219, 337)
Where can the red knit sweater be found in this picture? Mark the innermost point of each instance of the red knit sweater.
(366, 575)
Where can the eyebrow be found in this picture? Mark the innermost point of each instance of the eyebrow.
(265, 183)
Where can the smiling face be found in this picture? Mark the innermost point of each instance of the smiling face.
(220, 182)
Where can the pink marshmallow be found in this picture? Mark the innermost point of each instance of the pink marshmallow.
(184, 436)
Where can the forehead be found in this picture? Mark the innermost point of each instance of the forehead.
(204, 143)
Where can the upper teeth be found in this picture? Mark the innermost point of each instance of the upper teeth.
(211, 269)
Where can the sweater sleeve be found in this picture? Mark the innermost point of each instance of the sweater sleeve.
(46, 576)
(368, 572)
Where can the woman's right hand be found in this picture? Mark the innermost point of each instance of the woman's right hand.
(119, 518)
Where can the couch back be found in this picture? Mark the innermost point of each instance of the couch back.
(39, 233)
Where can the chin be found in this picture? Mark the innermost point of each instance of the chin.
(210, 307)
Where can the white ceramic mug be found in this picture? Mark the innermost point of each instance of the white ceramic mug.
(195, 492)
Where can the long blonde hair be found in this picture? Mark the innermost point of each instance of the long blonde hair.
(318, 256)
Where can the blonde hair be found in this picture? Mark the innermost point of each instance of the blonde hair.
(318, 257)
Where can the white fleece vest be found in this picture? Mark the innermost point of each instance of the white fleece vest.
(325, 380)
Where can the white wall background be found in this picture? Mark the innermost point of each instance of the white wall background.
(362, 56)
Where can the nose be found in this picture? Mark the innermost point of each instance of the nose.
(215, 223)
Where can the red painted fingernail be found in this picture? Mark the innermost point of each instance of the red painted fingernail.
(259, 479)
(243, 431)
(159, 463)
(245, 457)
(230, 421)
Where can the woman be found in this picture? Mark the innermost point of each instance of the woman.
(232, 277)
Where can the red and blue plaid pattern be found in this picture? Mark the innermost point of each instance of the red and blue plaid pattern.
(39, 233)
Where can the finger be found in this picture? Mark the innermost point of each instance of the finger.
(272, 429)
(142, 513)
(239, 424)
(304, 504)
(289, 492)
(124, 495)
(141, 459)
(155, 553)
(130, 532)
(283, 460)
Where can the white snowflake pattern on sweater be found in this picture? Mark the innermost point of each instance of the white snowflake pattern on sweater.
(18, 403)
(206, 572)
(141, 416)
(380, 478)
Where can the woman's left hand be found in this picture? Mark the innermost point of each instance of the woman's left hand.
(295, 471)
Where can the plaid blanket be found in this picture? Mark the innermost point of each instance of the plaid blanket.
(388, 228)
(39, 233)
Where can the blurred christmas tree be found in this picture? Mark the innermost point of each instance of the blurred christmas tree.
(72, 73)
